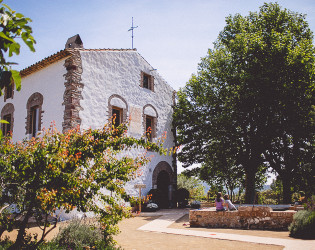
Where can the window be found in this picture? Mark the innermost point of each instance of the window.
(6, 127)
(9, 91)
(150, 117)
(117, 110)
(34, 121)
(116, 116)
(34, 114)
(7, 114)
(149, 127)
(147, 81)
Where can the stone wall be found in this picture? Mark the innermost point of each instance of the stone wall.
(244, 218)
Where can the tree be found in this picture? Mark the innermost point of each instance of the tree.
(13, 26)
(192, 184)
(261, 69)
(67, 171)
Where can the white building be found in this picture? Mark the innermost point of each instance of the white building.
(85, 87)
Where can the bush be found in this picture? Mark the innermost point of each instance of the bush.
(303, 225)
(195, 204)
(156, 196)
(77, 235)
(5, 243)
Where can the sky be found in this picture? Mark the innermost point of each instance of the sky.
(172, 35)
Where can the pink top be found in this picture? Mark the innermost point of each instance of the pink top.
(219, 205)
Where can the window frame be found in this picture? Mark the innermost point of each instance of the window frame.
(120, 118)
(8, 109)
(9, 91)
(34, 120)
(123, 111)
(150, 81)
(149, 134)
(6, 127)
(34, 104)
(154, 120)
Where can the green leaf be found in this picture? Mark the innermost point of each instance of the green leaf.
(19, 15)
(7, 38)
(14, 48)
(30, 44)
(17, 79)
(4, 121)
(7, 7)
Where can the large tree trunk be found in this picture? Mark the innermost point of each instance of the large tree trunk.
(250, 186)
(287, 194)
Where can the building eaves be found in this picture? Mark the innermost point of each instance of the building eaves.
(46, 62)
(58, 56)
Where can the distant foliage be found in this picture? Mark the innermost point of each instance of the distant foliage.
(303, 225)
(193, 185)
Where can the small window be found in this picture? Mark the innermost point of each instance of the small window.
(149, 127)
(7, 113)
(8, 91)
(147, 81)
(34, 114)
(116, 116)
(6, 127)
(34, 128)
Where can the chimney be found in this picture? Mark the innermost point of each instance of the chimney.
(74, 42)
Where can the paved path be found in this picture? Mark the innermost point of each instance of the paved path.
(161, 225)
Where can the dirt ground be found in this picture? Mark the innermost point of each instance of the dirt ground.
(132, 239)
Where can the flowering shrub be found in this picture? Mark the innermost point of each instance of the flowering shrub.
(136, 200)
(66, 171)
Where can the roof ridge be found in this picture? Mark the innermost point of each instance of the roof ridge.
(105, 49)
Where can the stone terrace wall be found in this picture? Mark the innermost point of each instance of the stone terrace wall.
(245, 218)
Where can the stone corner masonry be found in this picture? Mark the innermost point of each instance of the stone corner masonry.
(249, 217)
(73, 89)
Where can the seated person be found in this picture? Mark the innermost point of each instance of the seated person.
(219, 202)
(228, 204)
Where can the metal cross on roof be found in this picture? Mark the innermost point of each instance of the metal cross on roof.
(131, 29)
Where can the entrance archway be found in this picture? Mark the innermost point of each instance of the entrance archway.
(162, 177)
(163, 181)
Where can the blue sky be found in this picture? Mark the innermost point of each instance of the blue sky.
(172, 35)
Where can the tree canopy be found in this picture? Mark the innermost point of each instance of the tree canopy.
(58, 171)
(253, 91)
(13, 26)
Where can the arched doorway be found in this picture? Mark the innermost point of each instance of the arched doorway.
(163, 181)
(162, 178)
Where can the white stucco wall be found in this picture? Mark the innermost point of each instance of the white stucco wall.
(105, 73)
(50, 83)
(119, 72)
